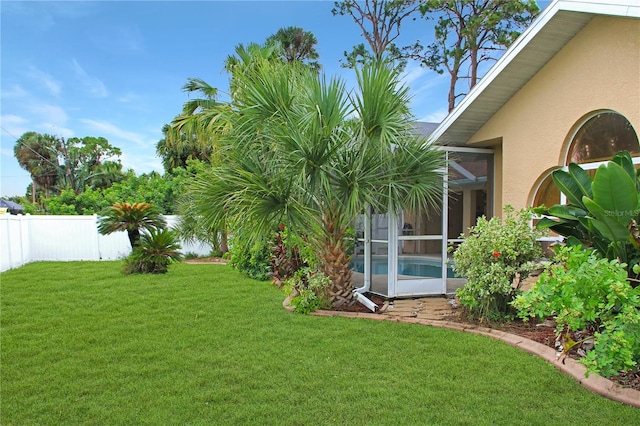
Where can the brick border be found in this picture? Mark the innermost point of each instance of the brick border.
(594, 383)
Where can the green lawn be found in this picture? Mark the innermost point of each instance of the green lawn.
(82, 343)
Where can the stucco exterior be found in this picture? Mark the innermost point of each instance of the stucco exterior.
(598, 69)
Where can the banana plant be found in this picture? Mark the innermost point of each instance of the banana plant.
(602, 212)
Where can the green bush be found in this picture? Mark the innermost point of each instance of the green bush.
(603, 212)
(586, 292)
(496, 253)
(157, 249)
(251, 257)
(310, 288)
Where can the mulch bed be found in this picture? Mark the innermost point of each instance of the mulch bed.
(530, 330)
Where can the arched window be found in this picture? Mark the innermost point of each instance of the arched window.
(601, 137)
(597, 139)
(547, 193)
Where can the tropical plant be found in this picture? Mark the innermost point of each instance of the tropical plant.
(90, 162)
(286, 258)
(251, 256)
(494, 258)
(296, 44)
(131, 218)
(307, 289)
(587, 293)
(300, 150)
(602, 212)
(38, 155)
(157, 249)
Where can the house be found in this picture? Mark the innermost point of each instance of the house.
(567, 90)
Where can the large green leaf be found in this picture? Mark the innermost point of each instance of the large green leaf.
(569, 186)
(624, 160)
(614, 191)
(566, 212)
(582, 178)
(606, 223)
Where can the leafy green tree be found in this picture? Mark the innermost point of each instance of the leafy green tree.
(296, 44)
(37, 154)
(379, 21)
(468, 33)
(131, 218)
(303, 152)
(77, 164)
(89, 162)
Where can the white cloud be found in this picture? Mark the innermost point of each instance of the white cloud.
(412, 73)
(14, 125)
(122, 40)
(52, 129)
(6, 152)
(14, 91)
(44, 79)
(428, 81)
(128, 97)
(49, 113)
(141, 163)
(435, 116)
(110, 130)
(94, 85)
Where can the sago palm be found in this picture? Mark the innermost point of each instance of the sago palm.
(304, 152)
(157, 249)
(131, 217)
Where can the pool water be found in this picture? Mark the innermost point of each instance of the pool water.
(411, 266)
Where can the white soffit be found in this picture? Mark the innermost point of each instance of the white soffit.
(547, 35)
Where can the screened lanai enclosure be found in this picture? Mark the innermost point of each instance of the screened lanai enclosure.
(406, 254)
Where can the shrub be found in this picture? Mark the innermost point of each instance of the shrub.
(251, 257)
(157, 249)
(495, 255)
(586, 292)
(309, 289)
(603, 212)
(285, 256)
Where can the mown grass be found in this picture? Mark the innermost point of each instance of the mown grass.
(82, 343)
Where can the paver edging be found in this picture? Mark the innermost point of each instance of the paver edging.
(594, 383)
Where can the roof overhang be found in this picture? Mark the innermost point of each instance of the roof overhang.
(548, 34)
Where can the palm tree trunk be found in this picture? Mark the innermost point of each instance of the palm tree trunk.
(336, 266)
(134, 237)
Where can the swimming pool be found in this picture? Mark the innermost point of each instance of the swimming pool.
(407, 265)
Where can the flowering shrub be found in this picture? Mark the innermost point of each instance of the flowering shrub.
(496, 254)
(586, 292)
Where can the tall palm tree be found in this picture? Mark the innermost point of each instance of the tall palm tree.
(131, 218)
(38, 154)
(303, 151)
(296, 44)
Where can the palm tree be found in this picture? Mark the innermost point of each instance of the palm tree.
(303, 151)
(38, 154)
(157, 249)
(296, 44)
(131, 218)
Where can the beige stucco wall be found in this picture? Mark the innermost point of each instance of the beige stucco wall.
(599, 69)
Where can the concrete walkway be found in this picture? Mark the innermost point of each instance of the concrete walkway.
(434, 312)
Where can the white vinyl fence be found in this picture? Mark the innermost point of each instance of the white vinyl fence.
(25, 239)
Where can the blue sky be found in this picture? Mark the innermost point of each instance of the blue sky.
(115, 69)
